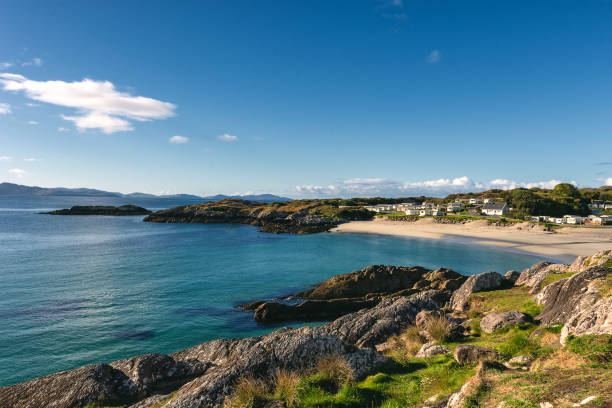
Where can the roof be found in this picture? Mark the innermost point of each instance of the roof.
(494, 206)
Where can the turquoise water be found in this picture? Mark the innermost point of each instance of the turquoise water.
(77, 290)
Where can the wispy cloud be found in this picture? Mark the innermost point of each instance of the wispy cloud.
(62, 129)
(391, 9)
(19, 173)
(178, 140)
(5, 65)
(375, 186)
(32, 122)
(605, 163)
(31, 159)
(605, 181)
(99, 104)
(37, 62)
(434, 57)
(6, 158)
(227, 138)
(5, 108)
(32, 105)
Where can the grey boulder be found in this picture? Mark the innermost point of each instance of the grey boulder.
(475, 283)
(495, 321)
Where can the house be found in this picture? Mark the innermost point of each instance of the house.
(488, 200)
(495, 209)
(599, 220)
(412, 211)
(437, 213)
(462, 200)
(475, 201)
(597, 204)
(573, 219)
(539, 218)
(453, 207)
(425, 212)
(559, 220)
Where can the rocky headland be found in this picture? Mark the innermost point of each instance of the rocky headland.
(300, 216)
(101, 210)
(541, 338)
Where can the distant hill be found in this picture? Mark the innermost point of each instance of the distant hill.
(18, 190)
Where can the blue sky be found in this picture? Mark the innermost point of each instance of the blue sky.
(313, 98)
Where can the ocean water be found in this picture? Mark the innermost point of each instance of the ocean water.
(82, 289)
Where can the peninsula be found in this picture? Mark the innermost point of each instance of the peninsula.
(122, 210)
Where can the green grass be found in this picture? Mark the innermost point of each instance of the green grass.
(498, 301)
(555, 277)
(596, 348)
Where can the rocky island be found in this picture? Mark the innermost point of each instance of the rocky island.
(538, 338)
(101, 210)
(299, 216)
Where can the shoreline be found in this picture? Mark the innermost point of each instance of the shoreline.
(563, 244)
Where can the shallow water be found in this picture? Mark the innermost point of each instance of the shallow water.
(83, 289)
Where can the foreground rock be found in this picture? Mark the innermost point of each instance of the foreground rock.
(304, 216)
(354, 291)
(564, 299)
(495, 321)
(533, 276)
(101, 210)
(475, 283)
(596, 319)
(432, 349)
(466, 354)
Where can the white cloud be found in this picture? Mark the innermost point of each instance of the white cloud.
(32, 122)
(5, 65)
(62, 129)
(99, 104)
(178, 140)
(5, 108)
(19, 173)
(31, 159)
(605, 181)
(34, 61)
(376, 186)
(5, 158)
(227, 138)
(433, 57)
(32, 105)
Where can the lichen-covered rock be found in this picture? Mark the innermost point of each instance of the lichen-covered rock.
(596, 319)
(370, 327)
(518, 361)
(533, 276)
(431, 349)
(512, 276)
(566, 298)
(465, 354)
(495, 321)
(70, 389)
(582, 263)
(475, 283)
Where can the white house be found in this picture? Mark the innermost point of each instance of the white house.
(488, 200)
(425, 212)
(559, 220)
(475, 201)
(495, 209)
(573, 219)
(453, 207)
(437, 213)
(412, 211)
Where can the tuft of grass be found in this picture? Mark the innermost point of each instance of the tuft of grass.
(334, 370)
(411, 340)
(249, 392)
(596, 348)
(286, 387)
(438, 328)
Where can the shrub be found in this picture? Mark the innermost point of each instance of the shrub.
(334, 370)
(438, 328)
(285, 389)
(248, 393)
(411, 340)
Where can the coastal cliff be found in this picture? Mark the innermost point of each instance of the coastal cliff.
(542, 337)
(300, 216)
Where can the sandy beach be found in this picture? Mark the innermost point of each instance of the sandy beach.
(563, 243)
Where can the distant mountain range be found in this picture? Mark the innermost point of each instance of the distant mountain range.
(18, 190)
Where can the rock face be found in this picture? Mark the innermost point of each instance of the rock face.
(512, 276)
(465, 354)
(600, 258)
(475, 283)
(533, 276)
(356, 290)
(306, 216)
(431, 349)
(564, 299)
(101, 210)
(596, 319)
(495, 321)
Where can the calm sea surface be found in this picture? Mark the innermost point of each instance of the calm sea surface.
(82, 289)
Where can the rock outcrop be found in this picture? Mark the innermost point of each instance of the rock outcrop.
(599, 258)
(533, 276)
(512, 276)
(431, 349)
(564, 299)
(596, 319)
(356, 290)
(495, 321)
(306, 216)
(101, 210)
(475, 283)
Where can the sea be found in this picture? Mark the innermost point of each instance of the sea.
(76, 290)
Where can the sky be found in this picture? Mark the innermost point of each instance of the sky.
(306, 98)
